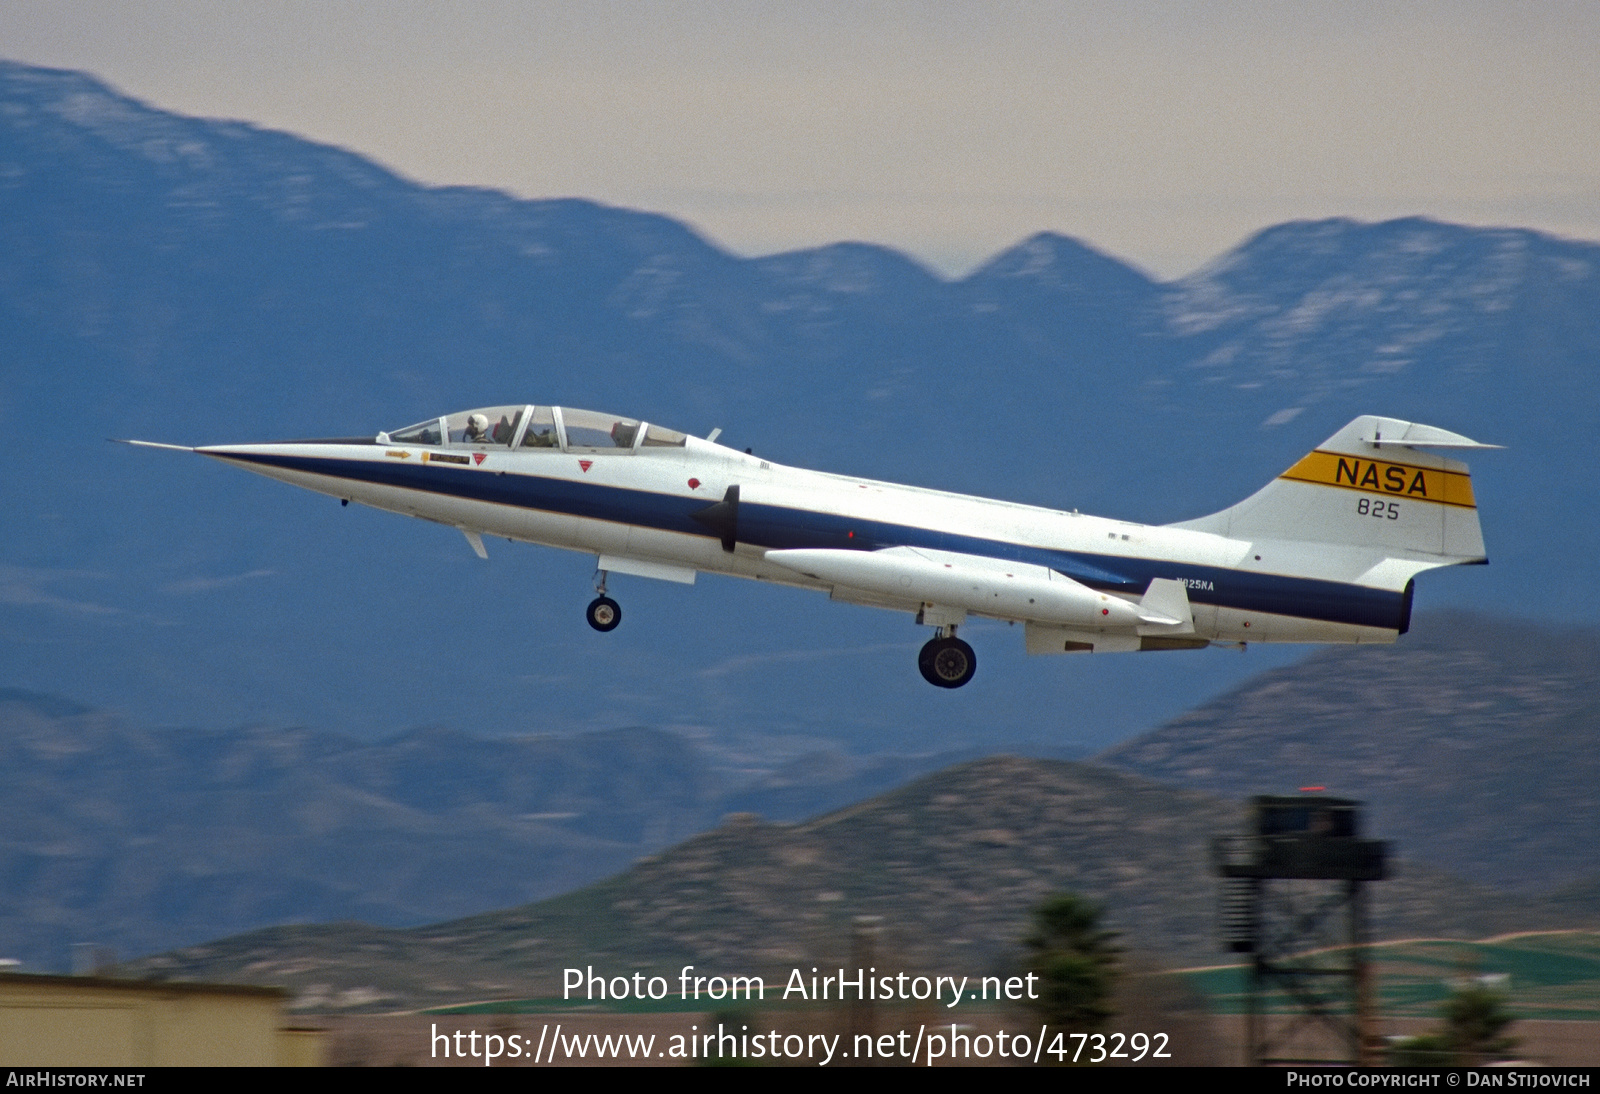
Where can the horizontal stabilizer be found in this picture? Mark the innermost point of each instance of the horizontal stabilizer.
(1391, 432)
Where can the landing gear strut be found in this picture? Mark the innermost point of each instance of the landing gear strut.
(946, 661)
(603, 613)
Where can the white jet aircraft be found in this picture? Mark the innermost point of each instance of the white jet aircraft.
(1326, 552)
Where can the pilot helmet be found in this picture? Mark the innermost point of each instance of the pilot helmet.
(478, 425)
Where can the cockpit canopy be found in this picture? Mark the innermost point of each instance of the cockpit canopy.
(524, 427)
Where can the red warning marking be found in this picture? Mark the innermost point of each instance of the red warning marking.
(586, 464)
(477, 457)
(694, 484)
(1105, 611)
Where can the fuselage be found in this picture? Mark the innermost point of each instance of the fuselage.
(664, 509)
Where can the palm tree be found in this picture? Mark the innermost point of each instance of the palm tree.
(1076, 962)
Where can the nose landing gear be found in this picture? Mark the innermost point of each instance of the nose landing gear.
(603, 613)
(946, 661)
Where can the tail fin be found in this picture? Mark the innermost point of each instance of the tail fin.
(1369, 486)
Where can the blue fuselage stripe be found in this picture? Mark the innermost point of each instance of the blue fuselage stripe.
(784, 528)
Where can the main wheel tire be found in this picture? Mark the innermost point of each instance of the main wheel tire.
(947, 662)
(604, 613)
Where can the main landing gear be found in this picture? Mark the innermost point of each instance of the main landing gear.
(946, 661)
(603, 613)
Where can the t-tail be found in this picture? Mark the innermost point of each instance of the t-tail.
(1373, 505)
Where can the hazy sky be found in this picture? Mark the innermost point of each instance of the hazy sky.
(1163, 133)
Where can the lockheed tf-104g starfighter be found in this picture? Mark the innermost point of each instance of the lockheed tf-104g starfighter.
(1326, 552)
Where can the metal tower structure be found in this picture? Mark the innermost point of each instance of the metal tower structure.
(1293, 899)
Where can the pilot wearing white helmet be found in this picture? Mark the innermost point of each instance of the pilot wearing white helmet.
(477, 429)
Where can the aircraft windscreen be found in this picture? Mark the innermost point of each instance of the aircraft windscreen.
(541, 432)
(588, 429)
(486, 425)
(657, 437)
(422, 433)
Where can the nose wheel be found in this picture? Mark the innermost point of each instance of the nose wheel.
(604, 613)
(947, 662)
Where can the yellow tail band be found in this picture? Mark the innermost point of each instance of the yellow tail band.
(1398, 480)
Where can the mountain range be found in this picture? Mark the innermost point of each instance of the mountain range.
(949, 868)
(1472, 745)
(141, 840)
